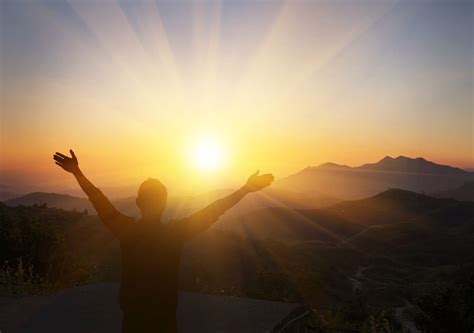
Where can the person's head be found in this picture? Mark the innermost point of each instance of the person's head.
(151, 199)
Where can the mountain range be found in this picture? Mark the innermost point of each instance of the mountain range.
(344, 182)
(312, 187)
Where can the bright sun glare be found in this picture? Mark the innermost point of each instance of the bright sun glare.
(208, 154)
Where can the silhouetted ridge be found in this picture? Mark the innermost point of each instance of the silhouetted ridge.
(410, 200)
(416, 165)
(344, 182)
(399, 194)
(56, 200)
(330, 165)
(392, 206)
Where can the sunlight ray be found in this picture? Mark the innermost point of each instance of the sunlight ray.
(206, 34)
(260, 251)
(83, 96)
(156, 35)
(309, 69)
(273, 60)
(304, 218)
(125, 49)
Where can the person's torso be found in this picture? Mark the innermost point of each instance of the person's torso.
(150, 266)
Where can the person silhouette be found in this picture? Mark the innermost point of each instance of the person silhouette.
(151, 250)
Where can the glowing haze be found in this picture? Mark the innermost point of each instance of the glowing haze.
(136, 87)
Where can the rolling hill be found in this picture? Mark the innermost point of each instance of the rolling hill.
(290, 225)
(56, 200)
(337, 222)
(181, 206)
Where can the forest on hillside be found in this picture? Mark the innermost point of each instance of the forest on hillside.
(397, 250)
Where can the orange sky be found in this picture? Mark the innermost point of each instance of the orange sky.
(280, 85)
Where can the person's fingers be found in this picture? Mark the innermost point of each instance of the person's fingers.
(72, 154)
(58, 158)
(59, 164)
(268, 177)
(63, 156)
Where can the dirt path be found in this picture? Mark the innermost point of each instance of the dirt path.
(94, 308)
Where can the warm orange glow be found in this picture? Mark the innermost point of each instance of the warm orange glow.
(301, 83)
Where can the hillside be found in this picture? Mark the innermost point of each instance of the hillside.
(290, 225)
(418, 175)
(56, 200)
(390, 247)
(336, 222)
(391, 206)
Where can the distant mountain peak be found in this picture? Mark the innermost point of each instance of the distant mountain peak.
(411, 165)
(409, 173)
(396, 159)
(387, 158)
(401, 158)
(332, 165)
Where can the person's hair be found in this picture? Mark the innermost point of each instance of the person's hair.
(152, 193)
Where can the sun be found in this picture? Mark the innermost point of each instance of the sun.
(208, 154)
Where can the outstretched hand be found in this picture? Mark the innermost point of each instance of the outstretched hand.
(256, 182)
(70, 164)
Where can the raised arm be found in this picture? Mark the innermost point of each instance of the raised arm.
(111, 217)
(203, 219)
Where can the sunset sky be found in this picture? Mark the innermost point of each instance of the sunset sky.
(136, 87)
